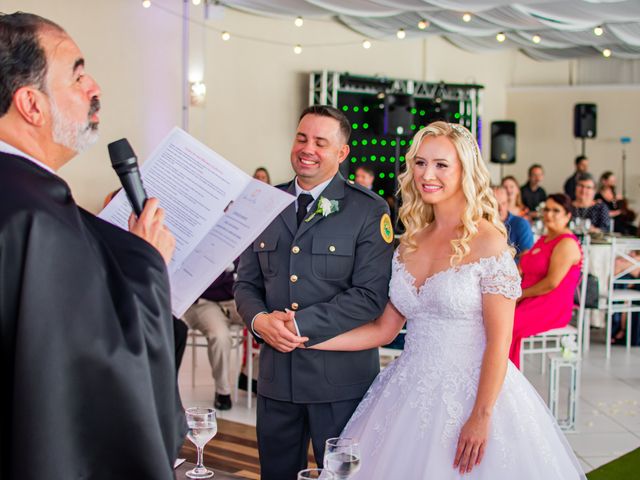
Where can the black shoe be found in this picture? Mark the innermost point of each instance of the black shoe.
(223, 402)
(242, 383)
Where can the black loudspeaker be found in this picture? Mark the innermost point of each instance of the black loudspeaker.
(584, 120)
(503, 142)
(397, 114)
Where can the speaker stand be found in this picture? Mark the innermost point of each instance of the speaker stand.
(501, 172)
(584, 146)
(624, 171)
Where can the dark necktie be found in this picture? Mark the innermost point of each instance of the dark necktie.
(304, 199)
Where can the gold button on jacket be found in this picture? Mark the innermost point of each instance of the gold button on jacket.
(293, 278)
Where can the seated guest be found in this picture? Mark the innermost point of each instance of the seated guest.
(586, 207)
(516, 207)
(550, 274)
(519, 230)
(582, 166)
(532, 193)
(365, 176)
(620, 319)
(621, 215)
(262, 174)
(212, 315)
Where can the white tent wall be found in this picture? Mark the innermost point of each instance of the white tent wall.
(255, 89)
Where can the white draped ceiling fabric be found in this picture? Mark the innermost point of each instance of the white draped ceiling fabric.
(565, 27)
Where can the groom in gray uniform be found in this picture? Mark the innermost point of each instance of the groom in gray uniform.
(326, 261)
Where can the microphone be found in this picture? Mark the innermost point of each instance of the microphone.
(125, 163)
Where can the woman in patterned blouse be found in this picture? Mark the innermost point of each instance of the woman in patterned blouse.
(585, 206)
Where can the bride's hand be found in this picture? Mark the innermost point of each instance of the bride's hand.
(472, 443)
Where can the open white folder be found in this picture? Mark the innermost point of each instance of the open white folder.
(214, 209)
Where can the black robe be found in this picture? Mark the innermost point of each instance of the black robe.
(88, 370)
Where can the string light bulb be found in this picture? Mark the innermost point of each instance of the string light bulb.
(366, 44)
(536, 39)
(146, 3)
(401, 34)
(298, 22)
(598, 31)
(297, 49)
(423, 24)
(606, 53)
(196, 2)
(466, 17)
(501, 37)
(226, 36)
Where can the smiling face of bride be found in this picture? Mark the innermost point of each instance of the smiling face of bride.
(437, 171)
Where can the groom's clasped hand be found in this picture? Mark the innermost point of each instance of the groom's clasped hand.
(278, 330)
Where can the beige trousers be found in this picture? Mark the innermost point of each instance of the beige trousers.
(213, 320)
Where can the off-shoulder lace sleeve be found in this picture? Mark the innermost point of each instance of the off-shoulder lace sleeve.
(500, 276)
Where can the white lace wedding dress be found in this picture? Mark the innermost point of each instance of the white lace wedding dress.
(410, 419)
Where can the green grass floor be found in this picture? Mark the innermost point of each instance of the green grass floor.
(626, 467)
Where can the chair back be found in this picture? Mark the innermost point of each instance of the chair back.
(585, 243)
(621, 249)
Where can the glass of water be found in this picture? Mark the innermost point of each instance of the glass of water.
(202, 428)
(315, 473)
(342, 457)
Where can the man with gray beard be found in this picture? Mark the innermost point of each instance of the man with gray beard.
(86, 334)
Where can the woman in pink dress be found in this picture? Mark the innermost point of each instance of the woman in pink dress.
(550, 274)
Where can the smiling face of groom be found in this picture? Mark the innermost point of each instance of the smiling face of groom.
(318, 149)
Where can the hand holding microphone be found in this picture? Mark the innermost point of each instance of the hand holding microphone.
(147, 221)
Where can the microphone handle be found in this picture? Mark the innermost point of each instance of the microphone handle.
(132, 185)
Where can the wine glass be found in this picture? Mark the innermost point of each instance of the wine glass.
(315, 473)
(202, 428)
(342, 457)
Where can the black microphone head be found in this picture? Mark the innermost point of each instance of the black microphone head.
(121, 153)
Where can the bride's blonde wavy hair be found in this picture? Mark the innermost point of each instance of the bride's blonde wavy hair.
(476, 186)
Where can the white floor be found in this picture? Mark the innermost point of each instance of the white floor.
(609, 409)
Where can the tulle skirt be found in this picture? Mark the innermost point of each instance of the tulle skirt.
(408, 429)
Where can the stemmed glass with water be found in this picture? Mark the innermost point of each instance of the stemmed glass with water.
(315, 474)
(342, 457)
(202, 428)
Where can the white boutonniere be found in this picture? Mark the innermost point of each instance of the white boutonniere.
(325, 207)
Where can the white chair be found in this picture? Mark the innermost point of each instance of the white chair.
(621, 300)
(196, 339)
(250, 352)
(549, 341)
(392, 353)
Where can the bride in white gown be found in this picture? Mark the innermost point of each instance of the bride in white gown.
(452, 405)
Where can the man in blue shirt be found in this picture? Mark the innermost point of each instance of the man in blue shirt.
(519, 230)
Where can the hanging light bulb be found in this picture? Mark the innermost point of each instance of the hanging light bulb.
(196, 2)
(606, 53)
(401, 34)
(536, 39)
(466, 17)
(226, 36)
(501, 37)
(146, 3)
(366, 44)
(297, 49)
(598, 31)
(423, 24)
(298, 22)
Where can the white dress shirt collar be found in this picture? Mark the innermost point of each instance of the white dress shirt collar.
(6, 148)
(315, 192)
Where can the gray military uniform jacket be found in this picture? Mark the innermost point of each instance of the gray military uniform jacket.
(334, 273)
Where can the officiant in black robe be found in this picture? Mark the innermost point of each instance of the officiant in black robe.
(86, 334)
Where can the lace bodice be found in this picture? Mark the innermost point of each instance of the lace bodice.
(444, 314)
